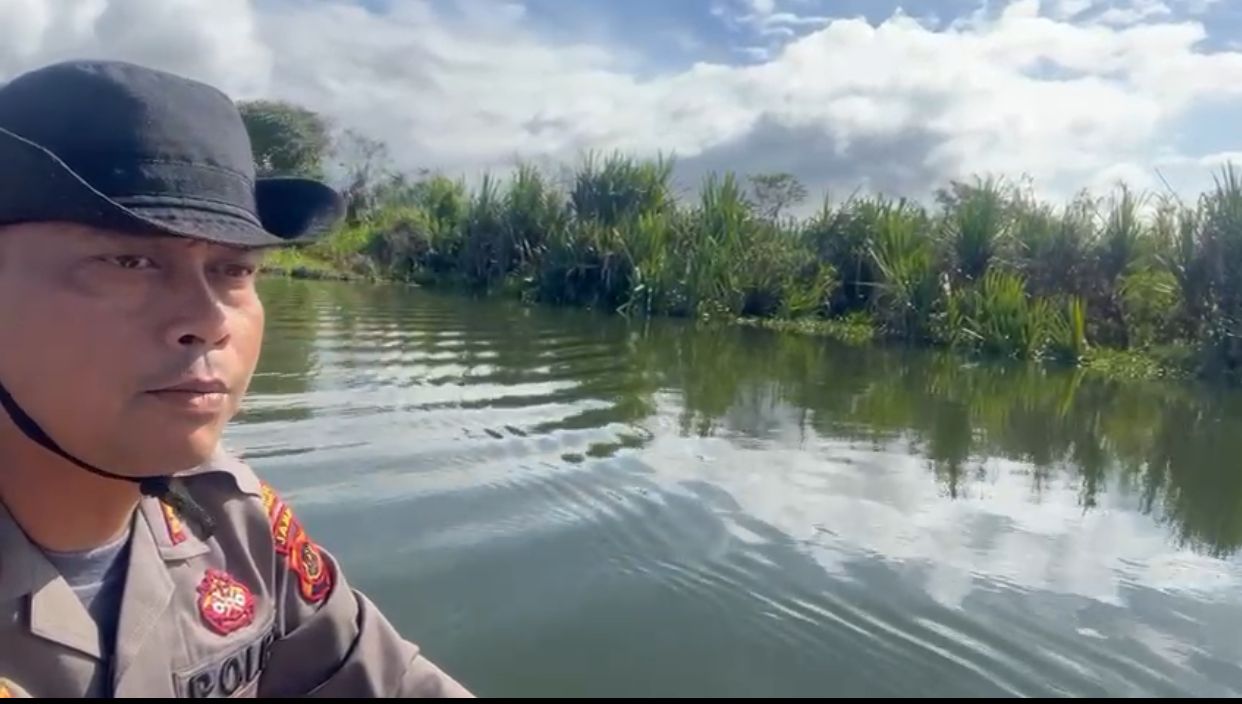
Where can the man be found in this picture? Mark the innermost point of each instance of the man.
(137, 558)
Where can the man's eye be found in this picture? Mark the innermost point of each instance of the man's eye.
(238, 271)
(130, 261)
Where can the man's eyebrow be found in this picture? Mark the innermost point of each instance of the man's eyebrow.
(113, 238)
(117, 238)
(225, 251)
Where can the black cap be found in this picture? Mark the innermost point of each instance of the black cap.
(129, 148)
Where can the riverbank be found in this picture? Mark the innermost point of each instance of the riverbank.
(1129, 284)
(858, 330)
(1170, 362)
(298, 264)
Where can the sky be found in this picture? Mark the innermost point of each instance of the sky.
(848, 95)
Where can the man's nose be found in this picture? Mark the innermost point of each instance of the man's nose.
(199, 318)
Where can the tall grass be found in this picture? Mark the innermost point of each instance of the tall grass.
(977, 219)
(1053, 247)
(615, 190)
(904, 257)
(1220, 242)
(1124, 234)
(989, 268)
(1068, 332)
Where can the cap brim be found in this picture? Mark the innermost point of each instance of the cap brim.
(298, 209)
(35, 185)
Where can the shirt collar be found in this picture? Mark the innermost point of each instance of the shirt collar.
(24, 568)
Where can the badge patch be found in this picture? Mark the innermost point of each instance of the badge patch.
(176, 529)
(270, 500)
(285, 530)
(225, 603)
(302, 556)
(314, 576)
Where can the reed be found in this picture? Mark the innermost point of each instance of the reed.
(989, 269)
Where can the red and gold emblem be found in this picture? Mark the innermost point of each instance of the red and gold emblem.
(176, 529)
(302, 556)
(270, 499)
(285, 530)
(314, 575)
(225, 603)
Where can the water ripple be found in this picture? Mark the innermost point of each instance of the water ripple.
(554, 503)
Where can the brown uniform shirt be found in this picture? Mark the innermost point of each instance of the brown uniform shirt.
(256, 610)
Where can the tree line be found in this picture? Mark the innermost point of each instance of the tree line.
(986, 267)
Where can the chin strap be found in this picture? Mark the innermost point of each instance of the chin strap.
(167, 489)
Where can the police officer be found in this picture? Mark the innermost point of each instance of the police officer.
(137, 556)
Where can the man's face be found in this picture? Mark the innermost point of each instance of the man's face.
(131, 352)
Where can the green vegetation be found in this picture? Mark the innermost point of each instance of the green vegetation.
(986, 269)
(853, 329)
(286, 139)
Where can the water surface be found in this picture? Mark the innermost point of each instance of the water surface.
(558, 503)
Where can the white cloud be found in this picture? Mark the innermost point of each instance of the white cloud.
(763, 7)
(1066, 9)
(1198, 7)
(898, 105)
(788, 18)
(778, 31)
(755, 53)
(1137, 11)
(1124, 12)
(888, 512)
(1220, 159)
(220, 45)
(767, 19)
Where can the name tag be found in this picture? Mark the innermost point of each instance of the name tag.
(229, 675)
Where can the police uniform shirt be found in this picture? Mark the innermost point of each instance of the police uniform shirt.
(258, 609)
(97, 576)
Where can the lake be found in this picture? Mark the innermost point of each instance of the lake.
(561, 503)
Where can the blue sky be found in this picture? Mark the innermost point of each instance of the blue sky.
(846, 94)
(676, 34)
(672, 34)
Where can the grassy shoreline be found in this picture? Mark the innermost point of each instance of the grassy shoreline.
(1130, 365)
(298, 264)
(1119, 365)
(1129, 285)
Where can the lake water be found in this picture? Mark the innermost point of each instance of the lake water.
(559, 503)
